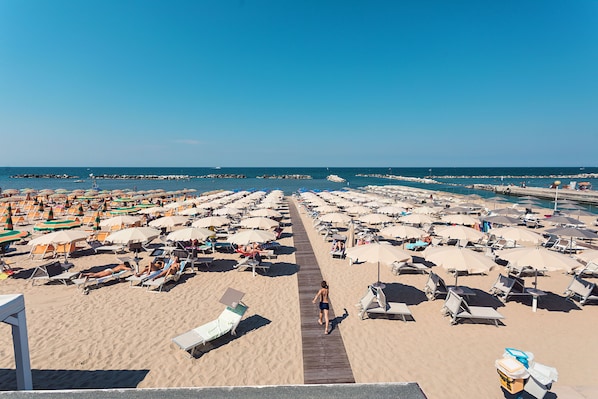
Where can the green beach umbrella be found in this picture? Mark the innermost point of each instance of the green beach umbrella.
(80, 210)
(52, 225)
(8, 225)
(11, 236)
(50, 214)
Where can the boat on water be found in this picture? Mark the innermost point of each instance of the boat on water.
(336, 179)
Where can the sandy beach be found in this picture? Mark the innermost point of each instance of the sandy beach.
(118, 336)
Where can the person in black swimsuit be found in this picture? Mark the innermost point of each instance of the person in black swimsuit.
(322, 296)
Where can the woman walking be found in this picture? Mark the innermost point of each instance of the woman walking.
(322, 296)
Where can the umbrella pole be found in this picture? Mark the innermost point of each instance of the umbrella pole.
(536, 280)
(378, 273)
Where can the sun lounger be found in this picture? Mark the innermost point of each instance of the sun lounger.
(159, 283)
(42, 251)
(582, 290)
(591, 269)
(435, 287)
(374, 303)
(226, 323)
(252, 264)
(506, 287)
(137, 281)
(458, 309)
(398, 267)
(53, 271)
(86, 283)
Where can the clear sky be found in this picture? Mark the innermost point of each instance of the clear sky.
(299, 83)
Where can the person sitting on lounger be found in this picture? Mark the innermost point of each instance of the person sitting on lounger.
(171, 270)
(152, 267)
(338, 246)
(109, 271)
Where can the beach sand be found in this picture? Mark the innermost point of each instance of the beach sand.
(117, 336)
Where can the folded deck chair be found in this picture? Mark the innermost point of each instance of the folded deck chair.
(435, 287)
(53, 271)
(377, 304)
(137, 281)
(581, 290)
(158, 284)
(507, 287)
(456, 307)
(226, 323)
(398, 267)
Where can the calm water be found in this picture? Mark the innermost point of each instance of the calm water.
(450, 179)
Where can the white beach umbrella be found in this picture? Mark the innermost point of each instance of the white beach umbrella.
(335, 217)
(458, 260)
(191, 211)
(60, 237)
(246, 237)
(258, 223)
(268, 213)
(415, 218)
(402, 231)
(326, 209)
(133, 235)
(391, 210)
(375, 218)
(358, 210)
(211, 221)
(378, 253)
(169, 221)
(518, 234)
(190, 233)
(121, 220)
(227, 211)
(459, 232)
(460, 219)
(153, 210)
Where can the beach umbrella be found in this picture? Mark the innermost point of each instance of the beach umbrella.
(169, 221)
(335, 217)
(402, 231)
(96, 221)
(326, 209)
(246, 237)
(460, 219)
(80, 210)
(563, 220)
(152, 210)
(459, 232)
(191, 211)
(51, 225)
(538, 259)
(227, 211)
(502, 219)
(124, 210)
(50, 214)
(425, 210)
(258, 223)
(416, 218)
(507, 211)
(133, 235)
(9, 236)
(573, 232)
(458, 260)
(378, 253)
(391, 210)
(121, 220)
(268, 213)
(375, 218)
(518, 234)
(358, 210)
(60, 237)
(211, 221)
(8, 223)
(190, 233)
(588, 256)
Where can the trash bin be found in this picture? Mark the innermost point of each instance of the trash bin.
(512, 374)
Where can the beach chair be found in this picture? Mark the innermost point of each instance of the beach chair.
(374, 303)
(507, 287)
(137, 281)
(252, 264)
(552, 239)
(435, 287)
(591, 269)
(85, 283)
(65, 249)
(42, 251)
(582, 290)
(458, 309)
(53, 271)
(226, 323)
(156, 285)
(397, 267)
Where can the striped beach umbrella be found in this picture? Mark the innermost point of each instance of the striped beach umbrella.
(8, 236)
(51, 225)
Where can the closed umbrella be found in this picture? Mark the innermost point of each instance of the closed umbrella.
(459, 260)
(378, 253)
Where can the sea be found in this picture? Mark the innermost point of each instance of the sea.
(455, 180)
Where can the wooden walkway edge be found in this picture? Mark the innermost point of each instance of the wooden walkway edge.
(325, 360)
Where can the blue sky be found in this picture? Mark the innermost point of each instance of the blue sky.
(298, 83)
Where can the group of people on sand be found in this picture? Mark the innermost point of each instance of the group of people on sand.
(172, 269)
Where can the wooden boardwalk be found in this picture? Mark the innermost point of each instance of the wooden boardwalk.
(325, 360)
